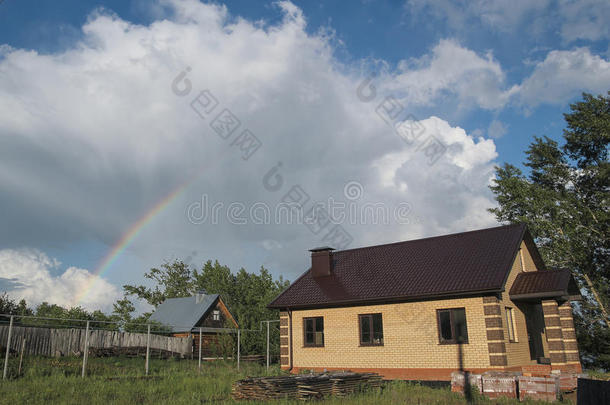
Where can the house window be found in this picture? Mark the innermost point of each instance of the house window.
(314, 331)
(510, 324)
(371, 330)
(216, 315)
(452, 325)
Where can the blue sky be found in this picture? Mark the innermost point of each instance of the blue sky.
(85, 89)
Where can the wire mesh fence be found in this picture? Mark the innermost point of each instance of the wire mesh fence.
(25, 338)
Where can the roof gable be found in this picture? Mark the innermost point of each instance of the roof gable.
(182, 314)
(458, 264)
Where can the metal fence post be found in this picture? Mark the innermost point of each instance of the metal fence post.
(199, 366)
(147, 347)
(267, 345)
(238, 348)
(8, 346)
(86, 351)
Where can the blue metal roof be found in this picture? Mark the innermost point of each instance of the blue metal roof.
(183, 314)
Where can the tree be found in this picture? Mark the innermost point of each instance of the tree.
(122, 314)
(172, 280)
(8, 306)
(564, 201)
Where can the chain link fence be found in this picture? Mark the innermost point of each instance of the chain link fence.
(24, 338)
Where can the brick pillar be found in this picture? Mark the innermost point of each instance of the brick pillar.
(495, 332)
(554, 332)
(284, 342)
(568, 332)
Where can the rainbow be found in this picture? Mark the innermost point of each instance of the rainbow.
(135, 229)
(127, 238)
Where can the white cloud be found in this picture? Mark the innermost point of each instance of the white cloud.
(456, 183)
(563, 75)
(30, 275)
(585, 19)
(476, 80)
(497, 129)
(93, 137)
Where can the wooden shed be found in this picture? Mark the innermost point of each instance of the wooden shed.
(187, 316)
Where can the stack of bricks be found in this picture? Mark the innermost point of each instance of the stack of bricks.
(495, 332)
(538, 388)
(458, 381)
(496, 385)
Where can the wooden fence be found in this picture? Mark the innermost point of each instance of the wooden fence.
(65, 342)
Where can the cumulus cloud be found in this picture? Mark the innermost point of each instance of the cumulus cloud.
(93, 137)
(456, 183)
(30, 274)
(562, 74)
(455, 75)
(451, 69)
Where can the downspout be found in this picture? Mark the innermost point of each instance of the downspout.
(290, 341)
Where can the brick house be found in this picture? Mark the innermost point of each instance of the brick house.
(476, 301)
(188, 316)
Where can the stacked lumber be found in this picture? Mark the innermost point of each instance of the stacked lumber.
(348, 383)
(253, 358)
(312, 386)
(265, 388)
(135, 351)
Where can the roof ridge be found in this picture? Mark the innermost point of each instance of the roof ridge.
(520, 224)
(460, 263)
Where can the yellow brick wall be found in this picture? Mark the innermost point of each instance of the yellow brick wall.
(528, 261)
(518, 353)
(410, 337)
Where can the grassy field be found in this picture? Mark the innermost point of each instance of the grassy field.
(121, 381)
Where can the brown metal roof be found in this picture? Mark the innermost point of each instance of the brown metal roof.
(541, 284)
(459, 264)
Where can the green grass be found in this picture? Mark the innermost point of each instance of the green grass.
(599, 375)
(121, 381)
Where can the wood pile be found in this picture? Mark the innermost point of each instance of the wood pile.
(136, 351)
(253, 358)
(348, 383)
(265, 388)
(314, 386)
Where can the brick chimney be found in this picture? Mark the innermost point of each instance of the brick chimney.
(321, 261)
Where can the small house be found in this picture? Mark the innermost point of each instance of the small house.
(421, 309)
(201, 313)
